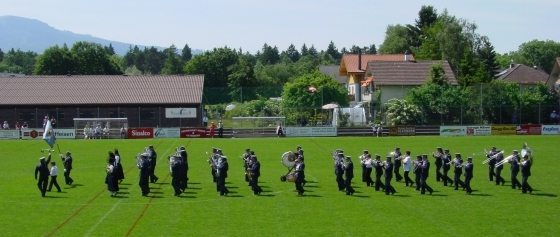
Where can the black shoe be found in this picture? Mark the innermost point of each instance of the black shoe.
(59, 191)
(431, 192)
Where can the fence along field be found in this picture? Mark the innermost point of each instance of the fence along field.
(85, 208)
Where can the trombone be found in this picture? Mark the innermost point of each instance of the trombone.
(492, 157)
(507, 159)
(47, 150)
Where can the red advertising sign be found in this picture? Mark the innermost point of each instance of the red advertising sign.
(193, 132)
(134, 133)
(528, 129)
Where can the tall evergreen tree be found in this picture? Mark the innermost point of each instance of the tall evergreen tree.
(269, 55)
(110, 50)
(186, 53)
(312, 51)
(371, 49)
(172, 64)
(487, 56)
(292, 53)
(1, 55)
(304, 51)
(333, 51)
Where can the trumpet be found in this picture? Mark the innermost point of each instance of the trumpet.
(47, 150)
(507, 159)
(492, 157)
(436, 154)
(452, 161)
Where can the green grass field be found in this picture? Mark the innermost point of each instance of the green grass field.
(86, 209)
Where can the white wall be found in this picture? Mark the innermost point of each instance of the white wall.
(390, 92)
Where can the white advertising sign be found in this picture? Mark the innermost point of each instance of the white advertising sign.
(64, 133)
(167, 132)
(180, 112)
(37, 133)
(311, 131)
(452, 130)
(550, 130)
(9, 134)
(479, 130)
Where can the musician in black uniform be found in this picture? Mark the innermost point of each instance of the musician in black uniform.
(67, 162)
(118, 172)
(515, 170)
(255, 170)
(362, 158)
(177, 169)
(397, 155)
(438, 162)
(339, 170)
(425, 173)
(368, 162)
(213, 162)
(525, 173)
(349, 174)
(492, 163)
(144, 166)
(388, 167)
(468, 174)
(378, 165)
(246, 159)
(458, 164)
(499, 168)
(446, 160)
(221, 174)
(300, 155)
(300, 176)
(185, 165)
(43, 170)
(153, 162)
(418, 172)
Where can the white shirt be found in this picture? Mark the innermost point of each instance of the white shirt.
(54, 171)
(106, 129)
(205, 119)
(117, 159)
(407, 163)
(368, 162)
(110, 169)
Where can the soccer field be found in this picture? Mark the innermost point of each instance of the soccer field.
(85, 208)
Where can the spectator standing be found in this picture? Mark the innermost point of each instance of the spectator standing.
(18, 128)
(5, 125)
(374, 128)
(515, 117)
(220, 129)
(123, 132)
(205, 121)
(212, 128)
(24, 126)
(553, 117)
(379, 130)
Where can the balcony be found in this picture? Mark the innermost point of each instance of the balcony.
(369, 96)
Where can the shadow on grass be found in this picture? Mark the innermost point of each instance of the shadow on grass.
(186, 196)
(310, 195)
(481, 194)
(120, 196)
(401, 195)
(544, 194)
(156, 192)
(122, 188)
(155, 188)
(125, 184)
(190, 192)
(55, 197)
(156, 196)
(439, 195)
(265, 195)
(193, 188)
(193, 183)
(124, 193)
(312, 186)
(233, 187)
(234, 196)
(360, 196)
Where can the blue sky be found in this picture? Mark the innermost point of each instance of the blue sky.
(250, 23)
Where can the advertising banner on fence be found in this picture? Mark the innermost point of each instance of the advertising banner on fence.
(9, 134)
(180, 112)
(503, 129)
(311, 132)
(550, 130)
(135, 133)
(37, 133)
(167, 132)
(402, 131)
(452, 130)
(192, 132)
(479, 130)
(528, 129)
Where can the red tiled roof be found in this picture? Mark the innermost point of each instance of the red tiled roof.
(522, 74)
(350, 61)
(101, 89)
(406, 73)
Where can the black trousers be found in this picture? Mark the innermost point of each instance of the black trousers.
(445, 177)
(348, 185)
(184, 178)
(378, 183)
(221, 184)
(299, 187)
(340, 182)
(214, 178)
(491, 173)
(418, 180)
(525, 185)
(255, 185)
(369, 181)
(53, 181)
(425, 186)
(363, 173)
(468, 183)
(458, 181)
(67, 178)
(397, 171)
(514, 181)
(176, 183)
(42, 184)
(407, 179)
(388, 187)
(221, 132)
(499, 177)
(438, 172)
(144, 184)
(153, 176)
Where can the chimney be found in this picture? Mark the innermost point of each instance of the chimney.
(407, 56)
(511, 65)
(360, 59)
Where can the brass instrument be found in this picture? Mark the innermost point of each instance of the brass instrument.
(47, 150)
(436, 154)
(492, 157)
(452, 161)
(526, 150)
(485, 152)
(507, 159)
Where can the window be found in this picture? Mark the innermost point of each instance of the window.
(87, 114)
(61, 116)
(116, 114)
(26, 116)
(147, 115)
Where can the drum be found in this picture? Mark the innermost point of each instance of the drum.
(289, 159)
(291, 177)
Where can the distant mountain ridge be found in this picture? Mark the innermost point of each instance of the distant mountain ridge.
(34, 35)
